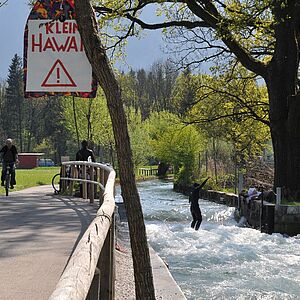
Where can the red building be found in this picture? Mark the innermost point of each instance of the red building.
(29, 160)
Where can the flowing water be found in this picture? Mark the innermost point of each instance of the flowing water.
(222, 260)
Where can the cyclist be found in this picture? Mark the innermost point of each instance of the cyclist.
(10, 157)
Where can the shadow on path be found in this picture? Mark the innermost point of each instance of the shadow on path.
(38, 233)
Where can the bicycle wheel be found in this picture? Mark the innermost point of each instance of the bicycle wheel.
(7, 183)
(56, 183)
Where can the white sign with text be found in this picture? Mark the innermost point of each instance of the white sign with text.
(56, 60)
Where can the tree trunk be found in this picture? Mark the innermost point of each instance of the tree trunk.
(87, 25)
(284, 112)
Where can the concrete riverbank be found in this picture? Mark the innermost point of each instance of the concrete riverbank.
(165, 286)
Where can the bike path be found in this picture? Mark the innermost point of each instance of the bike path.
(38, 232)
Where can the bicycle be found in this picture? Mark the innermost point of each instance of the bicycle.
(7, 179)
(56, 183)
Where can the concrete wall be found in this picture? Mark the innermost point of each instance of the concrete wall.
(220, 197)
(283, 219)
(287, 219)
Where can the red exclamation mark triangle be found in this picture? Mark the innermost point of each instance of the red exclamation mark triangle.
(58, 75)
(51, 83)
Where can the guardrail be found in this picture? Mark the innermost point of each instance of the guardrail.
(151, 171)
(90, 272)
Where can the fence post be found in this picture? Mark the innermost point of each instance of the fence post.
(278, 195)
(84, 184)
(106, 264)
(262, 211)
(240, 188)
(63, 182)
(91, 185)
(94, 291)
(72, 175)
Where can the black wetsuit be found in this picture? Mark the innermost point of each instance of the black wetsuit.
(195, 208)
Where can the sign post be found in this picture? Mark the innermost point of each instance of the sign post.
(55, 62)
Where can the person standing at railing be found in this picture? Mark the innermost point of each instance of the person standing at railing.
(10, 157)
(84, 154)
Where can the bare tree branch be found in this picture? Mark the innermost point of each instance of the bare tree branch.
(3, 3)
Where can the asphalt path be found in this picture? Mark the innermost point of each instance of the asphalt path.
(38, 232)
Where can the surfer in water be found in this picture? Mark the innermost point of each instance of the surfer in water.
(194, 201)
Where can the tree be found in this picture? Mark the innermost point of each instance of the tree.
(92, 123)
(149, 91)
(13, 107)
(262, 35)
(144, 287)
(55, 126)
(2, 99)
(139, 138)
(231, 109)
(175, 143)
(184, 92)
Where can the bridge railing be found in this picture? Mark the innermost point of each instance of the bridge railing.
(149, 171)
(90, 272)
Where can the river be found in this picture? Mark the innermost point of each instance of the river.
(222, 260)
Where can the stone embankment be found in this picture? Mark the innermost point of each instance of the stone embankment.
(284, 219)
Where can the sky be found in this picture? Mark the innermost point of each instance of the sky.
(13, 16)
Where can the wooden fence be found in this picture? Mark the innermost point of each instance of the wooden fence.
(90, 272)
(150, 171)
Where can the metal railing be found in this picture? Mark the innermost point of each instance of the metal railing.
(90, 272)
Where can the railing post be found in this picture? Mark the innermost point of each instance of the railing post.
(101, 180)
(63, 182)
(107, 265)
(91, 189)
(278, 195)
(94, 291)
(71, 184)
(106, 174)
(84, 184)
(240, 188)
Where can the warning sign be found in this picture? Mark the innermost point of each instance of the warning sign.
(58, 76)
(56, 60)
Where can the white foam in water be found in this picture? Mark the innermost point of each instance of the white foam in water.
(221, 260)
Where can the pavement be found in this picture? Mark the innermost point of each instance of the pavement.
(38, 232)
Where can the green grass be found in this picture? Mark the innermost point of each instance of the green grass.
(285, 202)
(33, 177)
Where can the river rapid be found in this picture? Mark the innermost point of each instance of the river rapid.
(223, 260)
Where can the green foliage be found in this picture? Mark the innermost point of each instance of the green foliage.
(184, 94)
(2, 101)
(139, 138)
(12, 109)
(93, 120)
(235, 111)
(149, 91)
(175, 143)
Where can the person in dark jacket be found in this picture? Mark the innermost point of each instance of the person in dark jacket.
(84, 153)
(194, 201)
(9, 158)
